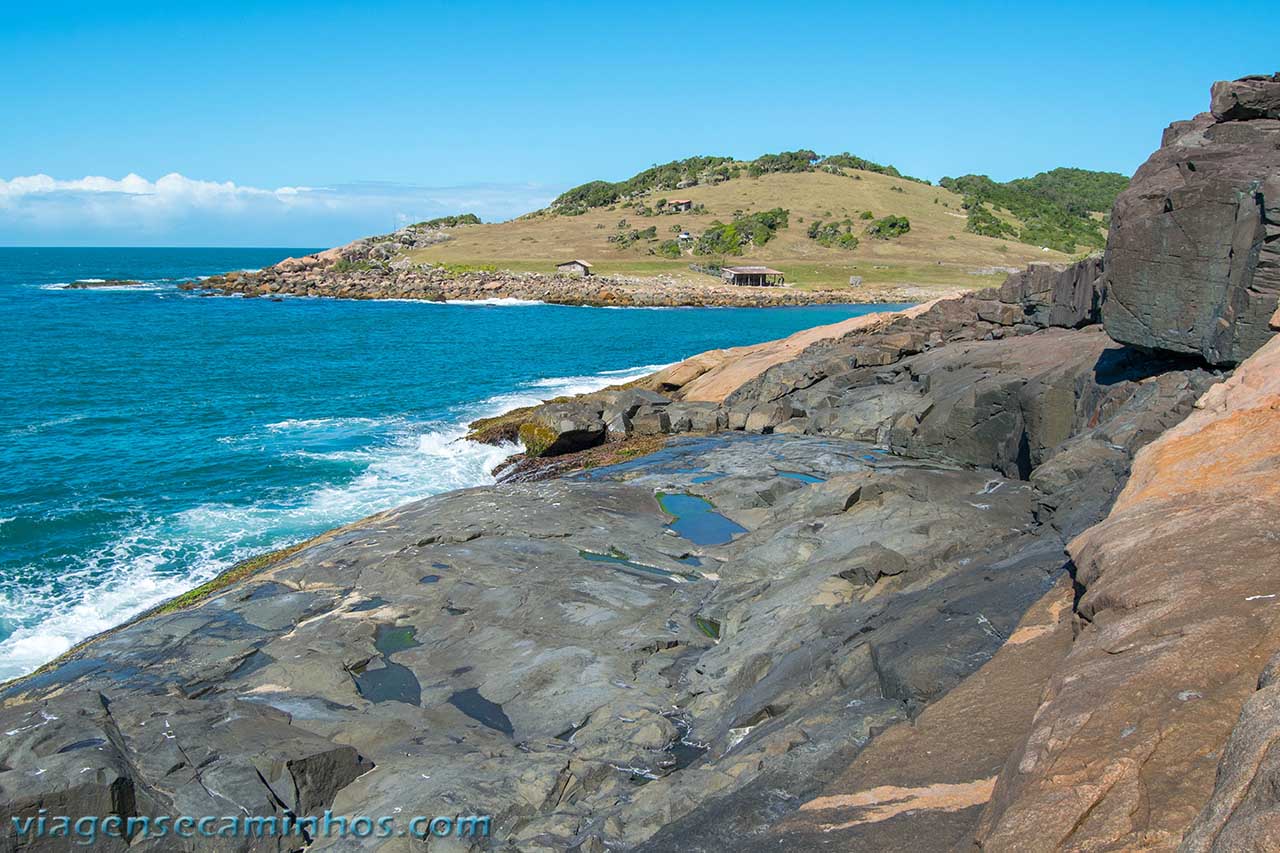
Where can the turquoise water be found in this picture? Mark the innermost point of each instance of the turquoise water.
(149, 438)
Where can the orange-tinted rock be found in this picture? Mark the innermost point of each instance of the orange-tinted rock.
(921, 785)
(712, 376)
(1178, 617)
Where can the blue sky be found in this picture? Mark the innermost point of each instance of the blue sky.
(315, 123)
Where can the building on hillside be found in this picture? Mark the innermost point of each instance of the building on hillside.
(679, 205)
(755, 276)
(574, 267)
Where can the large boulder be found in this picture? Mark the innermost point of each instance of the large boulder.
(1193, 257)
(558, 428)
(1256, 96)
(1053, 295)
(622, 406)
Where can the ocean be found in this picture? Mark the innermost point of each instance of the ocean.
(150, 438)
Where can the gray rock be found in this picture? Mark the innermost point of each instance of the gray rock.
(696, 417)
(619, 407)
(1065, 297)
(1193, 260)
(559, 428)
(559, 655)
(652, 422)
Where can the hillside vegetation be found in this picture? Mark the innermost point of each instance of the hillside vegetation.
(1064, 209)
(821, 220)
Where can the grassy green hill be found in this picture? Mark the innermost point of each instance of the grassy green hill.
(819, 220)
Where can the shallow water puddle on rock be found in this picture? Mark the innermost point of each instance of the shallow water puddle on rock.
(620, 560)
(480, 709)
(82, 744)
(803, 478)
(697, 520)
(390, 639)
(707, 478)
(392, 682)
(684, 750)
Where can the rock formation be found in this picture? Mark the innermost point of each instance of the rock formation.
(979, 573)
(324, 275)
(1179, 625)
(1193, 257)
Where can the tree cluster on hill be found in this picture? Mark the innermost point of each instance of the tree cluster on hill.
(449, 221)
(679, 174)
(1056, 208)
(669, 176)
(786, 161)
(850, 161)
(889, 227)
(625, 236)
(834, 235)
(746, 229)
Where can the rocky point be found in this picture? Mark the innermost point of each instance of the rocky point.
(997, 572)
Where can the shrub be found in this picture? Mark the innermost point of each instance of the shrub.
(834, 235)
(625, 237)
(986, 224)
(669, 249)
(889, 227)
(745, 229)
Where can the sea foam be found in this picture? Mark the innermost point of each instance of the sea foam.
(161, 557)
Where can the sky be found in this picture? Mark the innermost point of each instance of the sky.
(311, 124)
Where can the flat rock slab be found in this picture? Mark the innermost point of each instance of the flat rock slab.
(556, 654)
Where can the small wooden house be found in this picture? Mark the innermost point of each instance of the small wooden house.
(574, 267)
(679, 205)
(753, 276)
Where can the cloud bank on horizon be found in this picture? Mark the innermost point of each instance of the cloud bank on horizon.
(176, 210)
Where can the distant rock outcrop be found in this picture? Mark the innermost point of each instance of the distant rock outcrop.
(1193, 258)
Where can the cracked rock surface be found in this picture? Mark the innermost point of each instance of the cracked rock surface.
(675, 651)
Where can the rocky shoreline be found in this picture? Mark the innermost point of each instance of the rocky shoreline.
(436, 284)
(993, 573)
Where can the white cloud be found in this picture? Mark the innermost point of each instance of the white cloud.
(179, 210)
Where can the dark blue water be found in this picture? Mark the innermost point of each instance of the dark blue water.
(149, 438)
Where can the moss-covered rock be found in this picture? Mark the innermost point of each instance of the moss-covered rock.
(537, 438)
(559, 428)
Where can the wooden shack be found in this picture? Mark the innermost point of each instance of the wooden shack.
(679, 205)
(574, 267)
(753, 276)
